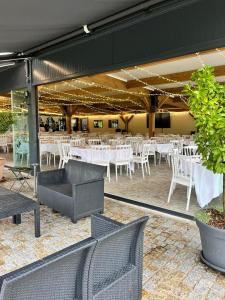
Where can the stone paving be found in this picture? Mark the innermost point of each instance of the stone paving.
(172, 269)
(153, 189)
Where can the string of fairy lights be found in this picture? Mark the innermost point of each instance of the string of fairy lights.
(133, 102)
(68, 100)
(94, 97)
(151, 87)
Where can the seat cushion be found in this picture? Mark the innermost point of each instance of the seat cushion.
(63, 188)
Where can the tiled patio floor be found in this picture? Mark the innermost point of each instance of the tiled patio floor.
(172, 269)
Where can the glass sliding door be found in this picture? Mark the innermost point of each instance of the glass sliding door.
(20, 128)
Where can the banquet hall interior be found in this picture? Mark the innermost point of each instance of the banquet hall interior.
(129, 120)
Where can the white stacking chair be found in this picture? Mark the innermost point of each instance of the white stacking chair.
(23, 151)
(66, 155)
(151, 149)
(100, 156)
(123, 158)
(4, 142)
(76, 142)
(59, 144)
(142, 159)
(54, 152)
(94, 142)
(190, 150)
(182, 173)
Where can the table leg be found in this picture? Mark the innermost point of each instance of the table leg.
(37, 222)
(17, 219)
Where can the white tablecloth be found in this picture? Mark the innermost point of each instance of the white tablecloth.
(164, 148)
(207, 184)
(86, 154)
(50, 147)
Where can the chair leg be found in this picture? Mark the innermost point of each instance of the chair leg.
(108, 168)
(63, 163)
(142, 169)
(60, 162)
(121, 170)
(148, 166)
(129, 171)
(188, 197)
(171, 191)
(116, 172)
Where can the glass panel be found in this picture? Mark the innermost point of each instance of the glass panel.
(20, 128)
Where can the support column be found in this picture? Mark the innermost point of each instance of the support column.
(68, 123)
(151, 119)
(126, 120)
(151, 105)
(68, 111)
(32, 100)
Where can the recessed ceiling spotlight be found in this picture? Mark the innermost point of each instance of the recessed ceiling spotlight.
(86, 29)
(5, 53)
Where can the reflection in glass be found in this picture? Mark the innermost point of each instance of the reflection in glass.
(20, 128)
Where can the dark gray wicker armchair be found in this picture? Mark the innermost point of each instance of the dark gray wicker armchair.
(75, 191)
(116, 267)
(106, 266)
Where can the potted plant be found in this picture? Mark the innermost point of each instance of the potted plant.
(207, 104)
(6, 120)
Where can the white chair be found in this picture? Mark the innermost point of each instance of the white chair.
(151, 149)
(76, 142)
(190, 150)
(182, 168)
(94, 142)
(53, 153)
(66, 155)
(59, 144)
(100, 156)
(4, 142)
(142, 160)
(23, 151)
(123, 157)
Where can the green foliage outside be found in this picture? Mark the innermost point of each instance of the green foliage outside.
(207, 104)
(6, 120)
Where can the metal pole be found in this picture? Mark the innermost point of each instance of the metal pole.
(35, 180)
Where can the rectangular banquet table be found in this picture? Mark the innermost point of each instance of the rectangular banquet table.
(207, 184)
(87, 153)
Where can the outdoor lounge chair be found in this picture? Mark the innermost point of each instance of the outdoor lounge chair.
(75, 191)
(106, 266)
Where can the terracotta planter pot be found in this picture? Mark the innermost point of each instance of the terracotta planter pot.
(2, 163)
(213, 245)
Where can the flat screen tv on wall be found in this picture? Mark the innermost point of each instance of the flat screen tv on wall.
(98, 124)
(162, 120)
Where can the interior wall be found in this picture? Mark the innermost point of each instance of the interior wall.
(181, 123)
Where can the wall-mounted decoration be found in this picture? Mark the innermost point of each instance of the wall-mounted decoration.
(98, 124)
(113, 123)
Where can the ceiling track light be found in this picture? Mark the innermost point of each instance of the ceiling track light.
(6, 53)
(86, 29)
(2, 65)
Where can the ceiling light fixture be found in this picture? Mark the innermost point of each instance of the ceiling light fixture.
(86, 29)
(7, 64)
(5, 53)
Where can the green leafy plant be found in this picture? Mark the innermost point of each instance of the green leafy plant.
(6, 120)
(207, 104)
